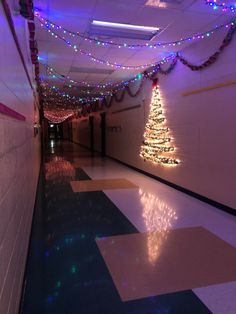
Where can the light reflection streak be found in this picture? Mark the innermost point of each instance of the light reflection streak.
(59, 167)
(158, 218)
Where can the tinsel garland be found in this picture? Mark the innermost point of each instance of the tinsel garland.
(213, 58)
(26, 11)
(170, 68)
(144, 77)
(138, 90)
(107, 103)
(121, 98)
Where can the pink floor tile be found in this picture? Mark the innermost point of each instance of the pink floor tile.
(147, 264)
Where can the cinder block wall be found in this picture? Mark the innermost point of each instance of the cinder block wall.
(19, 165)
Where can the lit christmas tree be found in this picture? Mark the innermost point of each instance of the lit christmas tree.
(156, 136)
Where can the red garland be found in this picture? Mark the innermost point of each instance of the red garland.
(27, 11)
(213, 58)
(154, 82)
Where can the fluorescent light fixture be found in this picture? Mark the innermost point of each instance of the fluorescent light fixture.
(126, 26)
(120, 30)
(156, 3)
(163, 3)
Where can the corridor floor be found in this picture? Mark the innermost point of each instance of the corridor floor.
(109, 240)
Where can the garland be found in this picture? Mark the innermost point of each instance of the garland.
(145, 75)
(26, 11)
(121, 98)
(170, 68)
(213, 58)
(107, 103)
(158, 69)
(99, 105)
(138, 90)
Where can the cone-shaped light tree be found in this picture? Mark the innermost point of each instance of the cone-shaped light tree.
(156, 146)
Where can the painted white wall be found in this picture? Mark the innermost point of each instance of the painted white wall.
(202, 125)
(19, 166)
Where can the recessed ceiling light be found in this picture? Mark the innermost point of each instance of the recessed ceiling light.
(126, 26)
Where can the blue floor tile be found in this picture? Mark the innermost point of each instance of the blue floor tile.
(65, 271)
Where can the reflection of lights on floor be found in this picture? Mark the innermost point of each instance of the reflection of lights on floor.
(52, 143)
(59, 167)
(158, 218)
(73, 269)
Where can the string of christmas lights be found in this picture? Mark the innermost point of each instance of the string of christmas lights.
(113, 87)
(64, 100)
(101, 61)
(53, 95)
(58, 116)
(51, 73)
(156, 135)
(105, 43)
(61, 95)
(221, 6)
(72, 83)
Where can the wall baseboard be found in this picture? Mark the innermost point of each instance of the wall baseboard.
(200, 197)
(38, 195)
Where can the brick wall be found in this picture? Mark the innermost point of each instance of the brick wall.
(19, 166)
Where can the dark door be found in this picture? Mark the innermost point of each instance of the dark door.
(103, 133)
(91, 131)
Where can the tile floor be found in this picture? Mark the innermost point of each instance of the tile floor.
(117, 250)
(101, 185)
(168, 260)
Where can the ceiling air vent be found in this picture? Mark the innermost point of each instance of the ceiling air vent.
(91, 70)
(130, 31)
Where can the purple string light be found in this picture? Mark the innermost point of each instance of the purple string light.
(112, 86)
(222, 6)
(99, 42)
(101, 61)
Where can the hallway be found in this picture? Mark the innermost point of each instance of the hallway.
(117, 157)
(100, 251)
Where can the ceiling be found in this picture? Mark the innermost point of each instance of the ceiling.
(179, 19)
